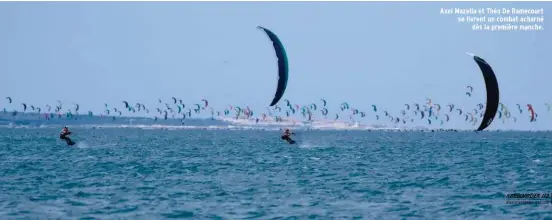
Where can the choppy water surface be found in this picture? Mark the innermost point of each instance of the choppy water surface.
(144, 174)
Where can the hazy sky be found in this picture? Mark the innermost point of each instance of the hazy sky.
(364, 53)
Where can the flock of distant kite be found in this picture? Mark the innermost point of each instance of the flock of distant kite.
(429, 111)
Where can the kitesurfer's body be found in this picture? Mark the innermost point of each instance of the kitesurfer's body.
(287, 136)
(64, 135)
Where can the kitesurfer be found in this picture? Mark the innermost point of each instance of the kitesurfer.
(63, 135)
(287, 136)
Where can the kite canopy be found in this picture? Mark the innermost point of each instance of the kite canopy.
(491, 84)
(282, 65)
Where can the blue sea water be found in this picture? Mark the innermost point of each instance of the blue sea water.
(153, 173)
